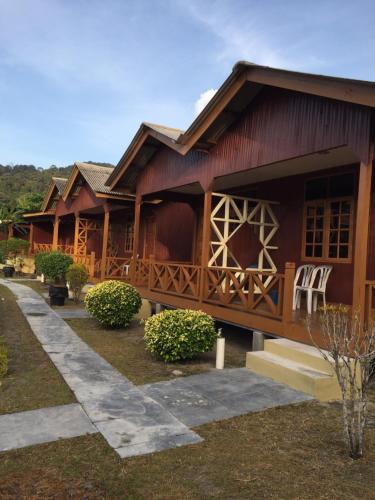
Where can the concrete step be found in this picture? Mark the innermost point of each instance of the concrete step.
(320, 384)
(301, 353)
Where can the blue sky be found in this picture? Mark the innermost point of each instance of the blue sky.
(77, 77)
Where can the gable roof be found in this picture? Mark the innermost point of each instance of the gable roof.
(60, 183)
(57, 185)
(95, 176)
(235, 94)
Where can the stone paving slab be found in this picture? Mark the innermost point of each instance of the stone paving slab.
(221, 394)
(73, 313)
(130, 421)
(27, 428)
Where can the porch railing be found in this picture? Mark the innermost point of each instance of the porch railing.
(118, 268)
(47, 247)
(369, 299)
(259, 293)
(42, 247)
(67, 249)
(251, 291)
(88, 261)
(176, 279)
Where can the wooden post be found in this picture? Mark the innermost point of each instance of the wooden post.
(137, 221)
(31, 239)
(92, 265)
(103, 264)
(151, 271)
(289, 273)
(55, 239)
(76, 231)
(206, 237)
(361, 237)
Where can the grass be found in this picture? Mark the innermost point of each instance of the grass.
(290, 452)
(125, 350)
(32, 380)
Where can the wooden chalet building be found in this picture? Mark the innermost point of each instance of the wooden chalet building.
(83, 217)
(275, 172)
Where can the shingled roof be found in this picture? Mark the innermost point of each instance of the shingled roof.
(95, 176)
(60, 184)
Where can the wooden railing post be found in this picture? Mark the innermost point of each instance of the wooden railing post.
(368, 304)
(76, 231)
(290, 269)
(150, 271)
(92, 265)
(103, 264)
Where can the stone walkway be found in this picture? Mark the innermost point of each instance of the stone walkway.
(220, 394)
(133, 420)
(129, 420)
(26, 428)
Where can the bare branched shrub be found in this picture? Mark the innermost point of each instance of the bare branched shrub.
(350, 349)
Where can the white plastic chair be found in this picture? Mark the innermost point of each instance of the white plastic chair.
(301, 283)
(317, 287)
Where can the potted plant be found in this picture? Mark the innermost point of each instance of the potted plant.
(13, 248)
(55, 266)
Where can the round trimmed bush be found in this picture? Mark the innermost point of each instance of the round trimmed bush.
(113, 303)
(180, 334)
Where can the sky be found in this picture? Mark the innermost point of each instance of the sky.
(77, 77)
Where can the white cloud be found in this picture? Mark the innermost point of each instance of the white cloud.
(245, 37)
(203, 100)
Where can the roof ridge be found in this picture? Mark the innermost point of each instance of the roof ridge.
(149, 124)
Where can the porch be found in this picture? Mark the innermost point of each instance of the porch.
(247, 240)
(99, 239)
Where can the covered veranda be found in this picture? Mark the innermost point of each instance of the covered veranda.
(252, 230)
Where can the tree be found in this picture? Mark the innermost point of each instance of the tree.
(351, 351)
(30, 202)
(11, 219)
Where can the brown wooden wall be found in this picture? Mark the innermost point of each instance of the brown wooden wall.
(43, 232)
(277, 126)
(173, 225)
(84, 201)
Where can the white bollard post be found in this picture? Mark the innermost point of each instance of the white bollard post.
(220, 352)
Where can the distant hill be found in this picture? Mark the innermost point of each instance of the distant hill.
(16, 180)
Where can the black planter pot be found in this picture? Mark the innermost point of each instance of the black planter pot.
(8, 271)
(57, 294)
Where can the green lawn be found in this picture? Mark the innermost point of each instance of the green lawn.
(32, 380)
(285, 453)
(294, 452)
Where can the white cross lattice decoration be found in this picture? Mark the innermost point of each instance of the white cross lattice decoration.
(229, 213)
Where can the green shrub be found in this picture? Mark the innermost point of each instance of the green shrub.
(113, 303)
(38, 262)
(76, 276)
(179, 334)
(55, 266)
(13, 247)
(2, 257)
(3, 360)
